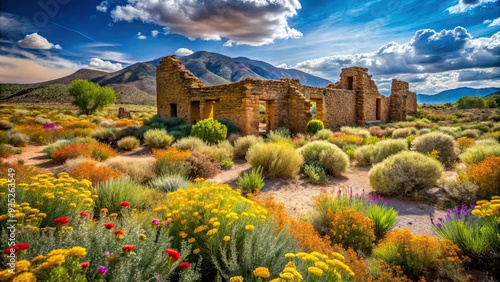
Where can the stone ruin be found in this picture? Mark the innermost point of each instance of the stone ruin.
(354, 100)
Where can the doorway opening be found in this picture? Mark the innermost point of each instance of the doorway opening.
(378, 109)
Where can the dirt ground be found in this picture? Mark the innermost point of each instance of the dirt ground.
(297, 195)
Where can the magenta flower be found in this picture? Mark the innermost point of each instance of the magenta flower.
(156, 222)
(102, 270)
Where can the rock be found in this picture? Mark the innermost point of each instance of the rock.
(124, 113)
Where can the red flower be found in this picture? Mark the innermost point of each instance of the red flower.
(85, 265)
(184, 265)
(109, 225)
(23, 246)
(175, 255)
(128, 248)
(10, 250)
(124, 204)
(61, 221)
(84, 214)
(119, 232)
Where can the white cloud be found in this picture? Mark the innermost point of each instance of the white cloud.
(35, 41)
(103, 7)
(495, 22)
(183, 52)
(487, 21)
(251, 22)
(24, 67)
(155, 33)
(467, 5)
(98, 64)
(282, 66)
(141, 36)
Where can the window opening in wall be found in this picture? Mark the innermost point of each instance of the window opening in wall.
(173, 110)
(263, 128)
(350, 81)
(378, 113)
(314, 110)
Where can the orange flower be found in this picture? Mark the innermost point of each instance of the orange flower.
(128, 248)
(85, 265)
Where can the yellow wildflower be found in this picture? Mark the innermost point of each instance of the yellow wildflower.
(315, 271)
(73, 205)
(77, 252)
(236, 279)
(22, 265)
(322, 265)
(211, 232)
(142, 237)
(25, 277)
(200, 229)
(196, 251)
(226, 238)
(183, 234)
(249, 227)
(262, 272)
(38, 258)
(338, 256)
(191, 240)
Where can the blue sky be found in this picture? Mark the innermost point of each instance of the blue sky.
(435, 45)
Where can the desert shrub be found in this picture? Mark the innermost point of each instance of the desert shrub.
(281, 134)
(386, 148)
(4, 137)
(128, 143)
(376, 131)
(200, 165)
(106, 135)
(479, 152)
(452, 131)
(69, 164)
(404, 132)
(324, 134)
(189, 143)
(357, 131)
(100, 151)
(138, 169)
(221, 153)
(157, 138)
(330, 156)
(51, 148)
(113, 192)
(464, 142)
(437, 141)
(371, 140)
(315, 172)
(93, 172)
(242, 144)
(96, 151)
(494, 135)
(169, 161)
(364, 155)
(486, 175)
(24, 173)
(209, 130)
(251, 182)
(352, 229)
(422, 255)
(277, 159)
(423, 131)
(180, 131)
(459, 188)
(7, 150)
(471, 133)
(169, 182)
(231, 126)
(348, 139)
(169, 122)
(469, 102)
(405, 173)
(487, 141)
(5, 125)
(121, 133)
(18, 139)
(313, 126)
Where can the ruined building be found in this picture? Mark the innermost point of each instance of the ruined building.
(354, 100)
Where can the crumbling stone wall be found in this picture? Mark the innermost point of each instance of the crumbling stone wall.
(354, 99)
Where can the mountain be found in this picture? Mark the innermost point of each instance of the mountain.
(452, 95)
(137, 83)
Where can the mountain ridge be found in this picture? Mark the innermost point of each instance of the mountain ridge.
(452, 95)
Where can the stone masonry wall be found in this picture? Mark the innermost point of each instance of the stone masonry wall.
(352, 100)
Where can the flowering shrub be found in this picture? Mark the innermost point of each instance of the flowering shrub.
(422, 255)
(94, 173)
(48, 197)
(464, 142)
(352, 229)
(169, 161)
(96, 151)
(486, 175)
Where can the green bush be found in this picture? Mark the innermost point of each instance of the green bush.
(7, 150)
(314, 126)
(324, 134)
(4, 137)
(242, 144)
(405, 173)
(315, 172)
(437, 141)
(169, 182)
(231, 126)
(281, 134)
(469, 102)
(358, 131)
(18, 139)
(277, 159)
(404, 132)
(471, 133)
(157, 138)
(128, 143)
(253, 181)
(210, 131)
(364, 155)
(452, 131)
(386, 148)
(479, 152)
(221, 153)
(106, 135)
(189, 143)
(331, 157)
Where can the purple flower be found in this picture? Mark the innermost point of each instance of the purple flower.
(438, 225)
(167, 223)
(102, 270)
(107, 254)
(156, 222)
(158, 277)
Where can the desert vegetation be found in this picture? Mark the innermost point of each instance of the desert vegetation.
(128, 199)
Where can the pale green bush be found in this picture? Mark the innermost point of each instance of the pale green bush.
(157, 138)
(479, 152)
(128, 143)
(405, 173)
(242, 144)
(404, 132)
(189, 143)
(437, 141)
(358, 131)
(331, 157)
(324, 134)
(277, 159)
(386, 148)
(364, 155)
